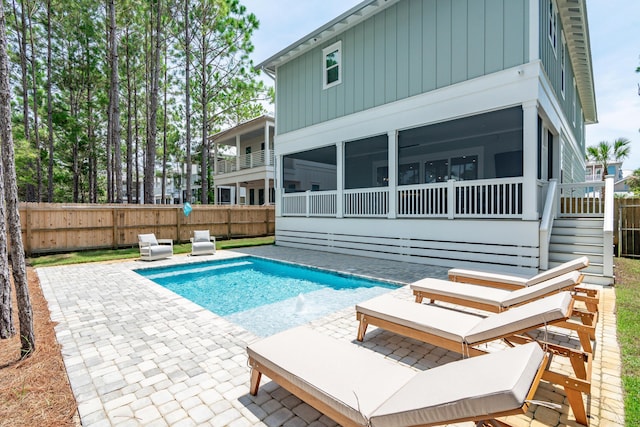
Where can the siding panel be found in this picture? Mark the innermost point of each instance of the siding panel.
(459, 46)
(411, 47)
(443, 40)
(475, 34)
(494, 36)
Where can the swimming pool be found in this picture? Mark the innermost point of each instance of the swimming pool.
(265, 296)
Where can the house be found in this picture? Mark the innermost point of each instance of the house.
(439, 131)
(593, 172)
(243, 166)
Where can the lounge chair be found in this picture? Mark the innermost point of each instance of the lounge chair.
(498, 300)
(513, 282)
(357, 387)
(202, 243)
(463, 332)
(152, 248)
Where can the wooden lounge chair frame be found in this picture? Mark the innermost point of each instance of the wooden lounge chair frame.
(581, 361)
(586, 330)
(258, 369)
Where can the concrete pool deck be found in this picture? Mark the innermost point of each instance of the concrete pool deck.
(139, 355)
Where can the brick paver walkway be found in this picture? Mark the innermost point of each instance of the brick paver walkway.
(139, 355)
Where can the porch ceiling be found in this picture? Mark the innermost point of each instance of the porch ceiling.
(573, 14)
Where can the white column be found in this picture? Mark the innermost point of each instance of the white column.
(266, 191)
(215, 158)
(237, 152)
(530, 161)
(340, 179)
(237, 193)
(392, 169)
(267, 150)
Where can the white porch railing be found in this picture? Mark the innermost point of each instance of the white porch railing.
(420, 201)
(580, 199)
(490, 198)
(247, 161)
(370, 202)
(310, 203)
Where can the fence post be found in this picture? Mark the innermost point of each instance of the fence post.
(266, 222)
(114, 213)
(178, 239)
(228, 223)
(27, 236)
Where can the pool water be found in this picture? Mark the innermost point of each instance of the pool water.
(265, 296)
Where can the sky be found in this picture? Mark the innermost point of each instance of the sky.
(614, 27)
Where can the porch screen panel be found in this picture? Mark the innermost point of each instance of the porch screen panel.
(483, 146)
(313, 170)
(366, 163)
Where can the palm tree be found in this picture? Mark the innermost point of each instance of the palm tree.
(604, 153)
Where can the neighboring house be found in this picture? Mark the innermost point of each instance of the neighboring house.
(430, 130)
(243, 165)
(594, 173)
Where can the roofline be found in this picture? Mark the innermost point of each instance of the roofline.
(573, 14)
(241, 126)
(336, 26)
(575, 23)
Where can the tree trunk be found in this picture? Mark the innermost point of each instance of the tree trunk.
(204, 196)
(25, 315)
(22, 39)
(187, 90)
(36, 133)
(49, 108)
(164, 132)
(114, 101)
(129, 123)
(149, 196)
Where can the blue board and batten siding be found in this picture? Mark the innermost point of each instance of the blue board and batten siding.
(551, 62)
(412, 47)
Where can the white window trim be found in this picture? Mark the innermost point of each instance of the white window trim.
(575, 90)
(553, 20)
(327, 50)
(563, 69)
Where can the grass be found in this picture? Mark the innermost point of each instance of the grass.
(128, 253)
(628, 318)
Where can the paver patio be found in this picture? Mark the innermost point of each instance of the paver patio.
(138, 354)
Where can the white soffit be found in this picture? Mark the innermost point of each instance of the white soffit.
(573, 14)
(353, 16)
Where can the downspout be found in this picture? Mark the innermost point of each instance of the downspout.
(546, 223)
(607, 227)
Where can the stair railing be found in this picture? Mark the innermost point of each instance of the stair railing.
(608, 226)
(546, 223)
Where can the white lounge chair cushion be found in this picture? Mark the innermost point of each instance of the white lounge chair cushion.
(350, 379)
(573, 265)
(148, 238)
(513, 279)
(482, 385)
(523, 317)
(540, 289)
(201, 236)
(494, 296)
(443, 322)
(465, 327)
(361, 384)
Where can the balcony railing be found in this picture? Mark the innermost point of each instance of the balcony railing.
(490, 198)
(582, 199)
(247, 161)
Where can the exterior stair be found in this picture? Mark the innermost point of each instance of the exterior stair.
(574, 237)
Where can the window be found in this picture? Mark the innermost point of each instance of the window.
(553, 25)
(563, 74)
(332, 65)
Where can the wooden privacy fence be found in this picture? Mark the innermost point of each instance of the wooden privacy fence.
(627, 223)
(52, 227)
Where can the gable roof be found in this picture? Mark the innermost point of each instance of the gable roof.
(573, 14)
(348, 19)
